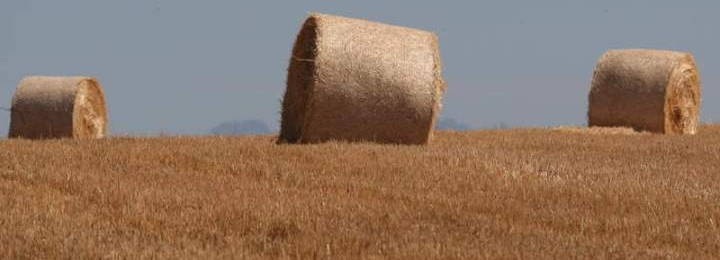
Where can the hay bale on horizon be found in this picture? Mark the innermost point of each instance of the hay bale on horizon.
(355, 80)
(648, 90)
(58, 107)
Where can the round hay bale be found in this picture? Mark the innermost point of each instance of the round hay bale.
(58, 107)
(355, 80)
(648, 90)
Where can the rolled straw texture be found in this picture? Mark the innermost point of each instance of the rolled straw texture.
(58, 107)
(648, 90)
(354, 80)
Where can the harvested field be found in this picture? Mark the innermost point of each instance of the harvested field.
(526, 194)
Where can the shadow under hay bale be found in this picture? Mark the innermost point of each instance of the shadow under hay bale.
(598, 130)
(355, 80)
(648, 90)
(58, 107)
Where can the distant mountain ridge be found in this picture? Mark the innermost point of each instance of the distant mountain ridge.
(258, 127)
(452, 124)
(245, 127)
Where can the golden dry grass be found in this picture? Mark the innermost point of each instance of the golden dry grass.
(524, 194)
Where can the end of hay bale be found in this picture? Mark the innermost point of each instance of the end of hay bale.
(58, 107)
(648, 90)
(300, 81)
(682, 107)
(355, 80)
(90, 112)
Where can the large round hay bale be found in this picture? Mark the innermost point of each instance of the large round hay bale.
(648, 90)
(354, 80)
(58, 107)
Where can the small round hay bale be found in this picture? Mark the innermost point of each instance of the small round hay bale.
(58, 107)
(648, 90)
(355, 80)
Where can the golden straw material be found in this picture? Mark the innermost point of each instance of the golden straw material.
(648, 90)
(58, 107)
(355, 80)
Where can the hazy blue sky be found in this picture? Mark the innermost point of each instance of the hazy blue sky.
(182, 66)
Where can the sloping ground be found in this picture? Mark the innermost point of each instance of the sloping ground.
(526, 193)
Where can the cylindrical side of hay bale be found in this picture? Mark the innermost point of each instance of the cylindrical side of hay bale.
(648, 90)
(355, 80)
(58, 107)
